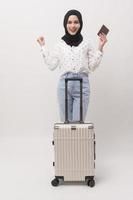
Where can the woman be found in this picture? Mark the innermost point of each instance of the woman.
(76, 58)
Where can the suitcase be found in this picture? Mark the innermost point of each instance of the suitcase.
(74, 147)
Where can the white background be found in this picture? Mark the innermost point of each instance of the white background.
(28, 101)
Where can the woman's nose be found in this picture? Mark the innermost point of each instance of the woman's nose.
(73, 25)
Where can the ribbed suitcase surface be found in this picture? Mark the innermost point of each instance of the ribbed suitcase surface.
(74, 147)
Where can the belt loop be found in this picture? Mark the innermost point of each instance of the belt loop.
(67, 74)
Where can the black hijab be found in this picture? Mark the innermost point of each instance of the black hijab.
(73, 40)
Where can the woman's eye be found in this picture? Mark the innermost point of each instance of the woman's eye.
(75, 22)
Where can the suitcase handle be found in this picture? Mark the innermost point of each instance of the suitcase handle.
(66, 100)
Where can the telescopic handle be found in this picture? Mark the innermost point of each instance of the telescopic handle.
(66, 99)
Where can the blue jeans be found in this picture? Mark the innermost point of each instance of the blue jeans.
(73, 96)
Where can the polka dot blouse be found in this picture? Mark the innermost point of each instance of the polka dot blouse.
(82, 58)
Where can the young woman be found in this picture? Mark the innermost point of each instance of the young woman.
(76, 58)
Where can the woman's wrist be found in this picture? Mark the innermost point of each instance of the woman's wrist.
(42, 46)
(100, 48)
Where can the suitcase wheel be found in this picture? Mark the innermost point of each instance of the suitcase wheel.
(91, 183)
(55, 182)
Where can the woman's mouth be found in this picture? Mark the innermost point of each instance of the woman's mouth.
(73, 30)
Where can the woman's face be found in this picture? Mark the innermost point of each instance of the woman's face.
(73, 24)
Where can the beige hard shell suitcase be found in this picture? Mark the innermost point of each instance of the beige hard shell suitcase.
(74, 148)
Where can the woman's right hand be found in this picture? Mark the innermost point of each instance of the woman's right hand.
(41, 40)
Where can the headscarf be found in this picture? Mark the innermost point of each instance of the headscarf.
(73, 40)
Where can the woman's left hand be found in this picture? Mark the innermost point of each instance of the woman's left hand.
(102, 41)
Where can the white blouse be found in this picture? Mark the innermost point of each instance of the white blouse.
(81, 58)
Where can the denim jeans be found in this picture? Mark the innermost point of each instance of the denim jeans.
(73, 96)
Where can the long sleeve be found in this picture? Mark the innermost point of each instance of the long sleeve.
(95, 57)
(51, 59)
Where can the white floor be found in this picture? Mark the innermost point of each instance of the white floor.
(26, 170)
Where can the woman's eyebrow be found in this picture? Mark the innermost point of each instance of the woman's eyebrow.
(74, 21)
